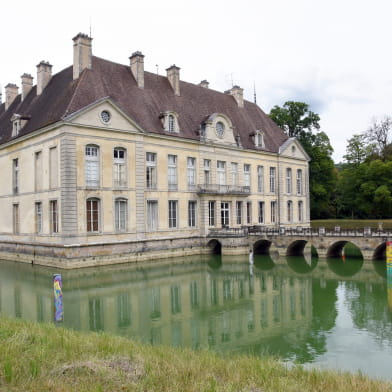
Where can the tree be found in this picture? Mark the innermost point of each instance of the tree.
(358, 150)
(379, 134)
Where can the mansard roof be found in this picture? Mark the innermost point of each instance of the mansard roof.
(64, 96)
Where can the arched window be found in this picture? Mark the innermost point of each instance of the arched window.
(92, 165)
(121, 214)
(171, 123)
(259, 139)
(299, 182)
(119, 167)
(288, 181)
(92, 215)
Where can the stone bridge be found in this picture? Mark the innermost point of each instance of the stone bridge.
(298, 242)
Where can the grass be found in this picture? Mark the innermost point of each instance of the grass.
(351, 223)
(43, 357)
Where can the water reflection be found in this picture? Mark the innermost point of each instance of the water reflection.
(285, 308)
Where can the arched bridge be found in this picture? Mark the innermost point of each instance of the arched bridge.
(297, 242)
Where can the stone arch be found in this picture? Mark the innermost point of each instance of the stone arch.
(380, 252)
(262, 247)
(336, 249)
(215, 247)
(296, 248)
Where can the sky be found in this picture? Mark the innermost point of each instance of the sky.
(334, 55)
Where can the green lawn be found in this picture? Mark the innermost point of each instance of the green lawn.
(351, 223)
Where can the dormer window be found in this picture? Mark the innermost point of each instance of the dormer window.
(259, 139)
(16, 124)
(170, 122)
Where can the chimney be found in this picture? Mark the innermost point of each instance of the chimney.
(173, 74)
(44, 74)
(137, 68)
(27, 84)
(204, 83)
(11, 92)
(82, 54)
(238, 94)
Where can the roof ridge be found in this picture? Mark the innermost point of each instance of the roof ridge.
(78, 82)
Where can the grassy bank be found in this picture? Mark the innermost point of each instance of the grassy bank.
(36, 357)
(351, 223)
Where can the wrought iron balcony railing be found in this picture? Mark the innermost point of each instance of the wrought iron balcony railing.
(217, 189)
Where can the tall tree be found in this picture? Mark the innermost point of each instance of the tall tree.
(358, 149)
(379, 134)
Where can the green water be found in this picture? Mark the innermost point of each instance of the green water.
(330, 314)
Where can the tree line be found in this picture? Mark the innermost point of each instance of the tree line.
(361, 186)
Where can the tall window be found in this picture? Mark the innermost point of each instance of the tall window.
(119, 167)
(211, 213)
(207, 171)
(299, 182)
(171, 124)
(261, 212)
(92, 215)
(38, 217)
(152, 215)
(247, 175)
(272, 179)
(151, 170)
(234, 173)
(238, 208)
(173, 210)
(53, 168)
(273, 211)
(289, 211)
(300, 211)
(121, 214)
(260, 179)
(249, 212)
(191, 172)
(38, 174)
(172, 172)
(15, 176)
(92, 165)
(259, 139)
(192, 213)
(53, 216)
(225, 213)
(15, 218)
(288, 181)
(221, 172)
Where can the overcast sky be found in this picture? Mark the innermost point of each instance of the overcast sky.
(334, 55)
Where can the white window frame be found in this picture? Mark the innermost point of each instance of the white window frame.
(92, 220)
(272, 179)
(261, 211)
(273, 211)
(289, 174)
(172, 172)
(192, 213)
(152, 215)
(299, 182)
(15, 176)
(151, 170)
(38, 171)
(300, 211)
(120, 215)
(207, 171)
(211, 213)
(238, 209)
(53, 216)
(225, 213)
(247, 174)
(221, 172)
(289, 211)
(120, 167)
(92, 165)
(260, 179)
(249, 212)
(15, 218)
(38, 217)
(234, 173)
(173, 214)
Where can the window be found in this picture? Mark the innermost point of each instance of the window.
(221, 171)
(234, 173)
(272, 179)
(119, 168)
(259, 139)
(15, 176)
(191, 172)
(15, 218)
(249, 212)
(239, 212)
(260, 179)
(192, 213)
(261, 212)
(173, 209)
(53, 216)
(225, 213)
(288, 181)
(289, 211)
(92, 215)
(273, 211)
(38, 217)
(120, 215)
(211, 213)
(151, 170)
(16, 125)
(172, 172)
(247, 175)
(38, 174)
(92, 165)
(300, 211)
(152, 215)
(171, 123)
(53, 168)
(299, 182)
(207, 171)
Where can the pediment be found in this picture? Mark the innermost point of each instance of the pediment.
(292, 148)
(219, 129)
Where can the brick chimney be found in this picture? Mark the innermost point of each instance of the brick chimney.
(173, 74)
(11, 92)
(204, 84)
(82, 54)
(44, 74)
(137, 68)
(27, 84)
(238, 94)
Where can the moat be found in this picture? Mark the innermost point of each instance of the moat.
(331, 313)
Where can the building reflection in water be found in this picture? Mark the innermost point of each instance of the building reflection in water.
(284, 308)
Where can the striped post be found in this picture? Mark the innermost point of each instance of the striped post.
(389, 273)
(58, 298)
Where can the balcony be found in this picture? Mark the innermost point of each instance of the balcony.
(216, 189)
